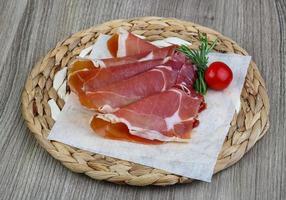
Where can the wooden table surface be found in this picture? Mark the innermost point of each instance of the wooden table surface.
(29, 28)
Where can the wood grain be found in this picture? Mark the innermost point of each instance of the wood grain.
(28, 29)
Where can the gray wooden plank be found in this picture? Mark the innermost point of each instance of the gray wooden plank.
(30, 28)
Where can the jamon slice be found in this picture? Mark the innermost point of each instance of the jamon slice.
(81, 65)
(129, 44)
(166, 116)
(159, 53)
(78, 73)
(89, 78)
(114, 96)
(187, 73)
(139, 63)
(117, 131)
(101, 77)
(177, 60)
(119, 44)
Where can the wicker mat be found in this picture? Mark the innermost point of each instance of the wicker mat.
(247, 127)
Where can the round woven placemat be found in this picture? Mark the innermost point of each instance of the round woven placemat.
(247, 127)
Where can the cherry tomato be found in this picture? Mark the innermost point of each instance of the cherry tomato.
(218, 76)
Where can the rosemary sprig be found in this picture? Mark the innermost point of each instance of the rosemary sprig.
(200, 59)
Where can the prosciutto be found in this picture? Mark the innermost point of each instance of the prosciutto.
(117, 131)
(159, 53)
(177, 60)
(166, 116)
(114, 96)
(120, 44)
(90, 79)
(108, 89)
(81, 65)
(78, 73)
(130, 44)
(187, 72)
(142, 93)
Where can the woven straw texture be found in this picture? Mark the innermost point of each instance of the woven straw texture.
(247, 127)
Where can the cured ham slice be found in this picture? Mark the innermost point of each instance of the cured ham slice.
(177, 60)
(81, 65)
(120, 44)
(187, 72)
(159, 53)
(87, 78)
(78, 73)
(125, 43)
(118, 131)
(114, 96)
(129, 44)
(186, 76)
(166, 116)
(101, 77)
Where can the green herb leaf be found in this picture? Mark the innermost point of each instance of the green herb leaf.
(200, 59)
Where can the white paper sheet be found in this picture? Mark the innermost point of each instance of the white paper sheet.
(195, 159)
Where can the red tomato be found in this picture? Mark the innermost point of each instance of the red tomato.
(218, 76)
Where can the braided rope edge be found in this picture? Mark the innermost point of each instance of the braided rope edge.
(247, 127)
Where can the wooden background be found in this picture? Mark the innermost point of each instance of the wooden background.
(29, 28)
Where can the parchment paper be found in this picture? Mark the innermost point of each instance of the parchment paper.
(195, 159)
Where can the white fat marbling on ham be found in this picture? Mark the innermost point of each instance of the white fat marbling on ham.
(107, 109)
(165, 67)
(163, 75)
(174, 119)
(170, 41)
(123, 35)
(150, 56)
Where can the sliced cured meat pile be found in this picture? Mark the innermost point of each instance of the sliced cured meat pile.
(142, 93)
(119, 94)
(103, 76)
(90, 79)
(165, 116)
